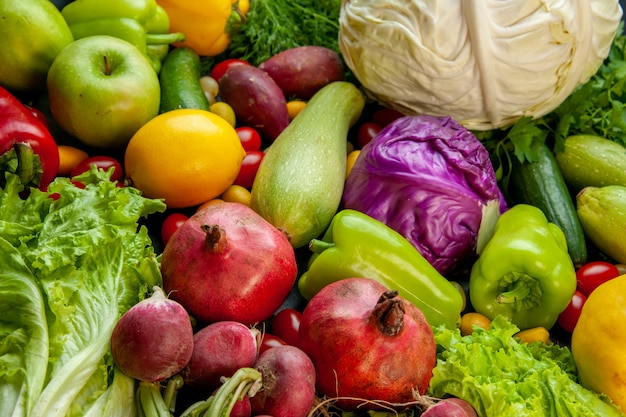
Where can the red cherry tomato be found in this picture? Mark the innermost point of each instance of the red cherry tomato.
(250, 138)
(221, 67)
(249, 168)
(569, 317)
(366, 132)
(269, 341)
(385, 116)
(103, 162)
(171, 223)
(286, 325)
(593, 274)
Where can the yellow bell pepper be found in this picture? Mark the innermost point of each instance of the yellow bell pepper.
(599, 341)
(205, 23)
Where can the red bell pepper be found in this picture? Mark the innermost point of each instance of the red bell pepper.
(26, 146)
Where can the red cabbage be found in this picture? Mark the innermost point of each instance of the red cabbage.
(432, 181)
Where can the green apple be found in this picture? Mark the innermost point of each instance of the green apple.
(32, 32)
(102, 90)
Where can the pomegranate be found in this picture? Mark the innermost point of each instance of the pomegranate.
(228, 263)
(367, 343)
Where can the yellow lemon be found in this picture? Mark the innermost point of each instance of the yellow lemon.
(184, 156)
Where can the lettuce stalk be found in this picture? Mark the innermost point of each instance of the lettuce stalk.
(69, 267)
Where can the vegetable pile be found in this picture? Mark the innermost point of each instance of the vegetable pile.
(261, 208)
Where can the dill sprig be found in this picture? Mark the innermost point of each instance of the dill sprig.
(272, 26)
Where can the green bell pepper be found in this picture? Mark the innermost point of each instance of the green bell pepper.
(524, 272)
(357, 245)
(142, 23)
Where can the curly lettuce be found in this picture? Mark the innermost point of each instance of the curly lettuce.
(500, 376)
(72, 260)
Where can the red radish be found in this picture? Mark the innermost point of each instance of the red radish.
(226, 262)
(242, 408)
(219, 350)
(153, 340)
(288, 387)
(450, 407)
(368, 343)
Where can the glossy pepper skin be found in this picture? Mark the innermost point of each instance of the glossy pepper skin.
(26, 146)
(142, 23)
(205, 23)
(357, 245)
(524, 272)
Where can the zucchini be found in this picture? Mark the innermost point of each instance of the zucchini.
(588, 160)
(541, 184)
(180, 81)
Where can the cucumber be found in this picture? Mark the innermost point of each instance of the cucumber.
(588, 160)
(180, 81)
(541, 184)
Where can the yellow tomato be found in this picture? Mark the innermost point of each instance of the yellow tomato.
(69, 157)
(184, 156)
(471, 319)
(237, 194)
(351, 159)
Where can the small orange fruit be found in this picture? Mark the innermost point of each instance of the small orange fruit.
(69, 157)
(471, 319)
(184, 156)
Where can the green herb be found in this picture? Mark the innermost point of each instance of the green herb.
(597, 107)
(272, 26)
(500, 376)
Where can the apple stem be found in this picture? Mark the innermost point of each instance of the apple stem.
(164, 38)
(107, 68)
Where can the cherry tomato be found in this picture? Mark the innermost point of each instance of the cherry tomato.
(286, 325)
(249, 168)
(366, 132)
(249, 137)
(170, 224)
(592, 274)
(102, 162)
(569, 317)
(221, 67)
(385, 116)
(269, 341)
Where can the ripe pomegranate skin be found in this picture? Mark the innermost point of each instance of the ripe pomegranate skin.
(353, 357)
(228, 263)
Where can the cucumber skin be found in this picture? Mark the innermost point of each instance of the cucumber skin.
(588, 160)
(542, 185)
(180, 81)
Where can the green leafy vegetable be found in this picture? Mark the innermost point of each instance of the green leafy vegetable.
(272, 26)
(499, 376)
(69, 267)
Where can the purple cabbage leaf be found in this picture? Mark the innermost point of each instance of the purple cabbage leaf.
(432, 181)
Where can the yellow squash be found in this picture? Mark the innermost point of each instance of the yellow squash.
(599, 341)
(205, 23)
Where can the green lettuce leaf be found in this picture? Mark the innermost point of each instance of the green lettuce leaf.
(23, 335)
(499, 376)
(88, 260)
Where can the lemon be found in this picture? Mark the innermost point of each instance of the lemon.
(184, 156)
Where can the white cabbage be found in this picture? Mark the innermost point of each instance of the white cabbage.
(485, 63)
